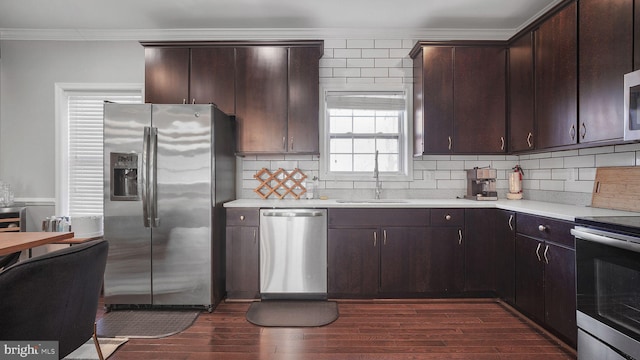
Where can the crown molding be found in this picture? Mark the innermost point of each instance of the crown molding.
(252, 34)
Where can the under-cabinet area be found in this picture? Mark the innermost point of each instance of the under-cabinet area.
(526, 260)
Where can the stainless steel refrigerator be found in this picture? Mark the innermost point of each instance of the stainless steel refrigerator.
(167, 171)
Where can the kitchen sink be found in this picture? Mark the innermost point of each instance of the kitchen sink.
(372, 201)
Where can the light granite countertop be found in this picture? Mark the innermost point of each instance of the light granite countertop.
(553, 210)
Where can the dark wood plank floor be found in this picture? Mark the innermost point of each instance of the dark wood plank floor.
(478, 329)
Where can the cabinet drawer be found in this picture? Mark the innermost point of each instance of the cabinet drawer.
(545, 228)
(243, 217)
(378, 217)
(447, 217)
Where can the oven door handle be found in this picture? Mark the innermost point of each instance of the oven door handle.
(621, 244)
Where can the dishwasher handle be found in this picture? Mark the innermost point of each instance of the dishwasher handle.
(297, 213)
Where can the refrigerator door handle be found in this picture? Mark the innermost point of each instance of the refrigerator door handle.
(153, 179)
(145, 176)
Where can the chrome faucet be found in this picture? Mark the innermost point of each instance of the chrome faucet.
(376, 175)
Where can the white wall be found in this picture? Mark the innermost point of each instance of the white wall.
(28, 72)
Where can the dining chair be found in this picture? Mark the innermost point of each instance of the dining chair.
(10, 259)
(54, 297)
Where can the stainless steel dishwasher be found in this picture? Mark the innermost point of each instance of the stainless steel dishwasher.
(293, 253)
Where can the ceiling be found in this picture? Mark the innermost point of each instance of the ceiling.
(125, 17)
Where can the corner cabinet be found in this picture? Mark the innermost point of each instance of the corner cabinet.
(556, 79)
(459, 98)
(521, 94)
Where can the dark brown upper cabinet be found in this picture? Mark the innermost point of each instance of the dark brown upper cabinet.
(212, 77)
(605, 43)
(521, 99)
(556, 71)
(277, 90)
(166, 75)
(459, 98)
(261, 99)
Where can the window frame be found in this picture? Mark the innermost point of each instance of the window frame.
(406, 139)
(62, 92)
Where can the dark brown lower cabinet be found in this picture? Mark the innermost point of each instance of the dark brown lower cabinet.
(545, 285)
(352, 268)
(505, 253)
(446, 260)
(530, 277)
(405, 260)
(479, 244)
(242, 253)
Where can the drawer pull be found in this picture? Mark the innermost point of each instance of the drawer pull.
(546, 251)
(447, 217)
(375, 238)
(241, 217)
(542, 228)
(538, 251)
(511, 222)
(459, 237)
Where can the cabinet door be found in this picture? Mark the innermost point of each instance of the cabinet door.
(242, 264)
(521, 118)
(261, 99)
(352, 262)
(404, 260)
(438, 99)
(560, 291)
(556, 80)
(445, 259)
(505, 255)
(166, 75)
(480, 230)
(479, 100)
(213, 77)
(606, 54)
(529, 276)
(303, 128)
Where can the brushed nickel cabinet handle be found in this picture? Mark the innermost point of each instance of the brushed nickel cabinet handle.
(241, 217)
(584, 131)
(375, 238)
(572, 132)
(511, 222)
(384, 237)
(459, 236)
(184, 101)
(546, 251)
(284, 142)
(542, 228)
(292, 143)
(447, 217)
(193, 101)
(501, 142)
(449, 142)
(538, 251)
(255, 235)
(529, 140)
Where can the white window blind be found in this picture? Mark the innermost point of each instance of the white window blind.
(85, 141)
(361, 123)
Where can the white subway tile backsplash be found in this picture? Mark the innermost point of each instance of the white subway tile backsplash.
(452, 184)
(360, 43)
(400, 72)
(442, 175)
(579, 186)
(580, 161)
(530, 164)
(538, 174)
(360, 63)
(552, 185)
(335, 43)
(616, 159)
(551, 163)
(327, 53)
(326, 72)
(346, 72)
(587, 174)
(388, 44)
(562, 174)
(450, 165)
(332, 62)
(333, 80)
(423, 184)
(374, 72)
(355, 80)
(529, 184)
(347, 53)
(388, 63)
(564, 153)
(388, 80)
(627, 147)
(425, 165)
(596, 150)
(400, 53)
(375, 53)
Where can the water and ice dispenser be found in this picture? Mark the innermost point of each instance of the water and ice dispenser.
(124, 177)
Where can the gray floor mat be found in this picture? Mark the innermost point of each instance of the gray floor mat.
(144, 323)
(295, 313)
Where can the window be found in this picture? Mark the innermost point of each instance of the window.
(357, 124)
(79, 187)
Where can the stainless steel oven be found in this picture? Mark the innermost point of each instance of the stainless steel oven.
(608, 287)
